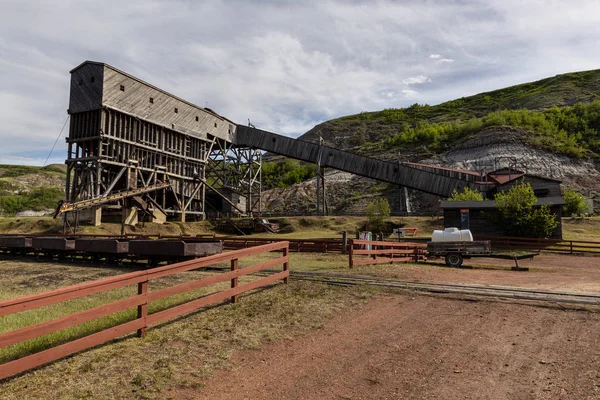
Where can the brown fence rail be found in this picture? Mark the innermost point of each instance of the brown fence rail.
(384, 252)
(141, 301)
(296, 245)
(539, 245)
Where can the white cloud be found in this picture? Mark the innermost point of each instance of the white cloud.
(261, 60)
(409, 93)
(413, 80)
(440, 58)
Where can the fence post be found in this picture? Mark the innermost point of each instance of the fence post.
(234, 281)
(286, 265)
(344, 242)
(571, 242)
(142, 311)
(351, 254)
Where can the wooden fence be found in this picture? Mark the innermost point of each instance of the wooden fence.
(296, 245)
(141, 301)
(384, 252)
(539, 245)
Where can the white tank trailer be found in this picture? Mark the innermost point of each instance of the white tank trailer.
(455, 245)
(452, 235)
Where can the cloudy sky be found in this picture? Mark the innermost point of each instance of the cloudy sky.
(285, 65)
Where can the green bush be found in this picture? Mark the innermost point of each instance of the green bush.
(286, 173)
(572, 130)
(45, 197)
(518, 217)
(576, 204)
(467, 194)
(377, 212)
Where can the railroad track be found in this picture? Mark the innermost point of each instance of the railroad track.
(502, 292)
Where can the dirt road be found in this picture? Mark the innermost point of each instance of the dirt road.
(399, 347)
(547, 271)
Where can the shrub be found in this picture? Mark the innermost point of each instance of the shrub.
(518, 217)
(576, 204)
(41, 198)
(571, 130)
(467, 194)
(286, 173)
(377, 212)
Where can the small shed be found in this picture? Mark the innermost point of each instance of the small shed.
(478, 216)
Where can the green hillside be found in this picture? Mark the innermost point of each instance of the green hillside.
(561, 114)
(30, 188)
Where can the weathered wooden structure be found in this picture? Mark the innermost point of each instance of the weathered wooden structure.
(433, 180)
(126, 134)
(134, 144)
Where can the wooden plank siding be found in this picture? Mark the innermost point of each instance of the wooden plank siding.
(120, 91)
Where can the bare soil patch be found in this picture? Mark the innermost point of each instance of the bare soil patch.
(401, 347)
(546, 271)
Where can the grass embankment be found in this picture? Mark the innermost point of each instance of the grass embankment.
(48, 225)
(543, 110)
(332, 227)
(173, 355)
(29, 225)
(291, 227)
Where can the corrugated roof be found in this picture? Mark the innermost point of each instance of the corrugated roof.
(443, 168)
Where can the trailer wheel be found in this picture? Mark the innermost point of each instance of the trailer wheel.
(454, 259)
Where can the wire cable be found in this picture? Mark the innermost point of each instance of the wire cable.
(56, 141)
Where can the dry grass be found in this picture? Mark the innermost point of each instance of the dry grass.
(31, 225)
(332, 227)
(293, 227)
(581, 228)
(181, 353)
(338, 263)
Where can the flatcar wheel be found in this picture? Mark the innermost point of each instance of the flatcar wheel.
(454, 260)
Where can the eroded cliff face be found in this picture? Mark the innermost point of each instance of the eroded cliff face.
(490, 149)
(499, 147)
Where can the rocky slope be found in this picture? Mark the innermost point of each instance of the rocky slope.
(490, 149)
(528, 146)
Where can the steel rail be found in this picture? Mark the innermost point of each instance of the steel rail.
(473, 290)
(452, 285)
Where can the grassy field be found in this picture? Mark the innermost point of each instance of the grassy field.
(184, 352)
(291, 227)
(581, 228)
(176, 354)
